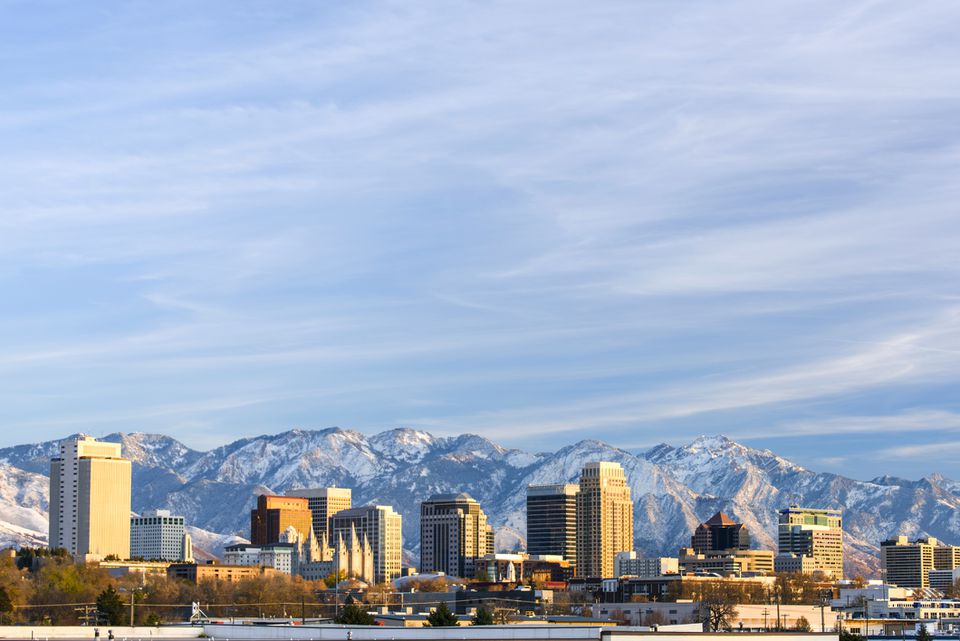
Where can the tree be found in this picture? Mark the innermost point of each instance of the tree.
(353, 614)
(110, 607)
(483, 616)
(6, 604)
(923, 634)
(718, 612)
(802, 625)
(442, 617)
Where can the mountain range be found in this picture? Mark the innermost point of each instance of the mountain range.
(674, 488)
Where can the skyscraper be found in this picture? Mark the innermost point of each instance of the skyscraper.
(720, 533)
(274, 514)
(604, 518)
(324, 502)
(90, 499)
(380, 525)
(552, 520)
(453, 534)
(811, 540)
(157, 535)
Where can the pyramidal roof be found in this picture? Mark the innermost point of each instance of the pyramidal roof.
(720, 519)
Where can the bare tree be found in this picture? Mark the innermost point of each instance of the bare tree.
(718, 611)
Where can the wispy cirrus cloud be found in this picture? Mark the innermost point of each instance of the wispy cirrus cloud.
(548, 219)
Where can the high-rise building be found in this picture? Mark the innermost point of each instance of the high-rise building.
(552, 520)
(604, 518)
(810, 541)
(908, 564)
(454, 533)
(324, 502)
(90, 499)
(274, 514)
(720, 533)
(380, 526)
(157, 535)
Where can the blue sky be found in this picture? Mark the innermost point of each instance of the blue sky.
(536, 221)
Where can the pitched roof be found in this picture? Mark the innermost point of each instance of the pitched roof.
(720, 519)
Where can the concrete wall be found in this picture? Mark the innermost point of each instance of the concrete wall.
(481, 633)
(42, 632)
(378, 633)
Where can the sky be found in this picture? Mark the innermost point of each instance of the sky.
(536, 221)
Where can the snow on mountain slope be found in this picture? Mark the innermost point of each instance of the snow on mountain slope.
(674, 488)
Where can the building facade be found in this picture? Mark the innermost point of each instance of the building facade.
(323, 503)
(720, 533)
(274, 514)
(380, 526)
(907, 564)
(604, 518)
(90, 499)
(552, 520)
(453, 534)
(279, 556)
(814, 535)
(157, 535)
(631, 564)
(197, 572)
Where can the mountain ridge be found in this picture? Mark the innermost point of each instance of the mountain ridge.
(674, 487)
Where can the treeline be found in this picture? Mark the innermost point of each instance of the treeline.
(41, 588)
(788, 589)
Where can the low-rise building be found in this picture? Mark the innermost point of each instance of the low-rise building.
(197, 572)
(278, 556)
(631, 564)
(736, 563)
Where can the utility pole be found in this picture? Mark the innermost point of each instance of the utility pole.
(776, 594)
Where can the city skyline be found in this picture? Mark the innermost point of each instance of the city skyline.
(633, 222)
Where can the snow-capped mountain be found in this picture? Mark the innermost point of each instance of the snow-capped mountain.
(674, 488)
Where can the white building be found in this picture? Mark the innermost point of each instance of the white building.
(278, 556)
(157, 535)
(631, 564)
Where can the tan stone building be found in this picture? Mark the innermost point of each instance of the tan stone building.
(604, 518)
(90, 499)
(380, 526)
(197, 572)
(323, 503)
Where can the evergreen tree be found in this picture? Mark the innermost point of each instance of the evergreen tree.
(483, 616)
(923, 634)
(442, 617)
(802, 624)
(110, 607)
(353, 614)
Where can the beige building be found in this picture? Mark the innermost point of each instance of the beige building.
(816, 536)
(604, 518)
(324, 502)
(730, 563)
(453, 534)
(380, 526)
(90, 499)
(908, 564)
